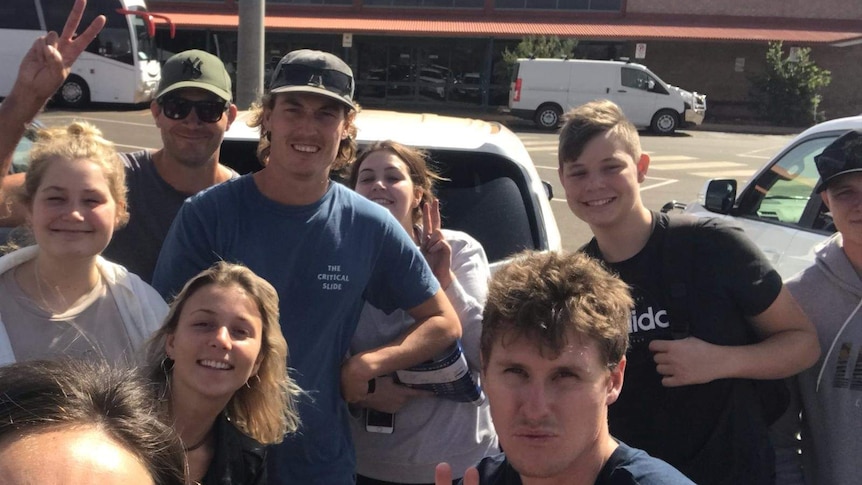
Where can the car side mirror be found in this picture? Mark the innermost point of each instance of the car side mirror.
(549, 189)
(719, 195)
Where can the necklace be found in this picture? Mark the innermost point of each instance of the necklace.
(43, 303)
(199, 443)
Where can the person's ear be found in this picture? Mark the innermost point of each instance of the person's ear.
(615, 382)
(643, 167)
(169, 345)
(231, 115)
(155, 110)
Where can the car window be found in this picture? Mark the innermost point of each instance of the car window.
(782, 193)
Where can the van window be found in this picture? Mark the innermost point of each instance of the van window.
(515, 71)
(637, 79)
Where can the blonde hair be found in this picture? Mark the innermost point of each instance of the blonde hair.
(587, 121)
(77, 141)
(543, 295)
(418, 168)
(265, 408)
(346, 149)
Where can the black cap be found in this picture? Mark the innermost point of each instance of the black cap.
(844, 155)
(317, 72)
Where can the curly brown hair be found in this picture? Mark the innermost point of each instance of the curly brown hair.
(542, 296)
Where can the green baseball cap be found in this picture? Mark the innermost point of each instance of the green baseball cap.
(195, 69)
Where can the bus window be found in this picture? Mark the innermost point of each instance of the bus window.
(14, 15)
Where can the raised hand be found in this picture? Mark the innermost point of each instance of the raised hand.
(443, 475)
(435, 248)
(49, 60)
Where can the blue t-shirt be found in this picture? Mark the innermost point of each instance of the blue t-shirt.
(325, 260)
(626, 466)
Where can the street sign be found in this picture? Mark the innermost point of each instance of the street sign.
(640, 51)
(346, 40)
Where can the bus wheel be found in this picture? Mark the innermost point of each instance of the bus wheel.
(74, 93)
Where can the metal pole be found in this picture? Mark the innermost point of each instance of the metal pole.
(249, 75)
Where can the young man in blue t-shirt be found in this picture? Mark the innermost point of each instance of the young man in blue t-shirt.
(325, 249)
(554, 339)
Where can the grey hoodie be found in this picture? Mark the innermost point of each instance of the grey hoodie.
(830, 292)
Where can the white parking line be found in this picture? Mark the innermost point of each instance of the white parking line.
(726, 174)
(100, 120)
(659, 184)
(694, 165)
(670, 158)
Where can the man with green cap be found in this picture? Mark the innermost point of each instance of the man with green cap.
(192, 110)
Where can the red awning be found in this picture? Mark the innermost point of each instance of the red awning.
(617, 29)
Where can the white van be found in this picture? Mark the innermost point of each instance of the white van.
(544, 89)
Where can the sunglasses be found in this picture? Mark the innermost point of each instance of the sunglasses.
(300, 75)
(177, 108)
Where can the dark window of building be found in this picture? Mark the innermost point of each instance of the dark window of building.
(590, 5)
(313, 2)
(426, 3)
(19, 15)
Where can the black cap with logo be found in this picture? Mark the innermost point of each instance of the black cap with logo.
(317, 72)
(842, 156)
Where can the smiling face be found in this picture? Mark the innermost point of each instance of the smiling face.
(602, 184)
(217, 342)
(385, 179)
(306, 130)
(551, 413)
(191, 142)
(843, 196)
(72, 212)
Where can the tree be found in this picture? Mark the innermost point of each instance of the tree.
(788, 93)
(536, 46)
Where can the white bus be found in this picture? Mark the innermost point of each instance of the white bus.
(119, 66)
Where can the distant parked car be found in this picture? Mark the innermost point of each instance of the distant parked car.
(491, 189)
(21, 158)
(778, 208)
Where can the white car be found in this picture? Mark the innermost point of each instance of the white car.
(492, 190)
(778, 208)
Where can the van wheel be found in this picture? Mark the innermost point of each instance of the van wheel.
(665, 122)
(548, 116)
(74, 93)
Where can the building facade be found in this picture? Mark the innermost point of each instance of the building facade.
(418, 52)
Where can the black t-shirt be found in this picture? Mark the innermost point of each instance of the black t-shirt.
(626, 466)
(696, 428)
(152, 205)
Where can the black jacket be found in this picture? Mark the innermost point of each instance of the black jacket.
(238, 459)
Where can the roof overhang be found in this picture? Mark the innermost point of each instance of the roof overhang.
(617, 29)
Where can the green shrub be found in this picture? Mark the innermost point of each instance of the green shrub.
(788, 93)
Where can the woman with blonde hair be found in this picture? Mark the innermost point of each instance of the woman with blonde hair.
(219, 363)
(427, 429)
(59, 296)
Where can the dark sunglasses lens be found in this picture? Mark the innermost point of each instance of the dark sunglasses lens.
(209, 111)
(176, 108)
